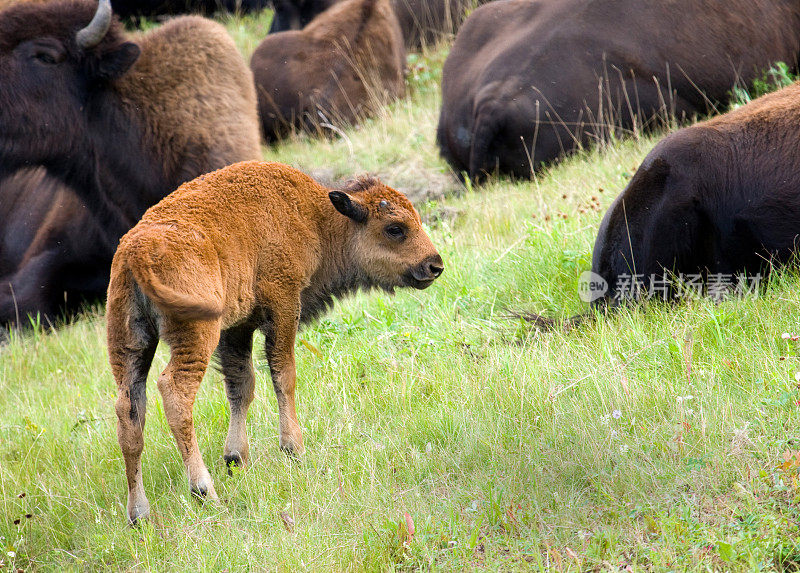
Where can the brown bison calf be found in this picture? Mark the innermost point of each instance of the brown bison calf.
(251, 246)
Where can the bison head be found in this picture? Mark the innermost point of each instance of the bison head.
(390, 246)
(56, 60)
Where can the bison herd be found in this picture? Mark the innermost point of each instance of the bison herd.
(99, 127)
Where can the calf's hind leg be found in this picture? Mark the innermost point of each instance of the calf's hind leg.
(191, 344)
(132, 341)
(236, 358)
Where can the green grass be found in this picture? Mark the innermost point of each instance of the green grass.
(499, 441)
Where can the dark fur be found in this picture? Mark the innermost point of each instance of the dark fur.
(520, 86)
(722, 196)
(422, 21)
(156, 8)
(52, 255)
(296, 14)
(153, 8)
(119, 124)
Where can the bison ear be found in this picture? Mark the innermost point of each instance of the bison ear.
(116, 62)
(349, 206)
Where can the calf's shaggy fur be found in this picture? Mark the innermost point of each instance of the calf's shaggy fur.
(251, 246)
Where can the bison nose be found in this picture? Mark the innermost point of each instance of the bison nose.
(436, 267)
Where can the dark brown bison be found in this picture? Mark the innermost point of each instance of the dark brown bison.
(155, 8)
(252, 246)
(342, 66)
(52, 254)
(713, 204)
(421, 21)
(120, 123)
(296, 14)
(530, 80)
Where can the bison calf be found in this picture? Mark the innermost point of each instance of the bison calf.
(251, 246)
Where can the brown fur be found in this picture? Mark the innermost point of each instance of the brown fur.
(344, 64)
(52, 254)
(200, 98)
(251, 246)
(185, 107)
(7, 3)
(423, 22)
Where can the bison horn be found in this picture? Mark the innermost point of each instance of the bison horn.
(92, 34)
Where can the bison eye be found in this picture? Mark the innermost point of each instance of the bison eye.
(46, 58)
(395, 232)
(48, 53)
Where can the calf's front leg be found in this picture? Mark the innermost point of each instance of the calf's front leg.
(280, 354)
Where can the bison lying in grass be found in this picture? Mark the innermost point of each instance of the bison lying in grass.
(251, 246)
(527, 81)
(423, 22)
(719, 199)
(344, 65)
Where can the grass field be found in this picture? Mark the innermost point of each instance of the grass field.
(659, 438)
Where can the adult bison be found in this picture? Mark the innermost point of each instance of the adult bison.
(714, 204)
(47, 232)
(155, 8)
(337, 69)
(421, 21)
(120, 123)
(530, 80)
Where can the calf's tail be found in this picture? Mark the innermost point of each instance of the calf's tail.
(185, 305)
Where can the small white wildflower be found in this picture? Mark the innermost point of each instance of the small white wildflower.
(616, 414)
(786, 336)
(614, 434)
(605, 419)
(624, 448)
(797, 376)
(11, 554)
(689, 411)
(679, 399)
(428, 448)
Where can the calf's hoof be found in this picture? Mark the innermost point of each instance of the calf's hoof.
(293, 451)
(233, 460)
(203, 489)
(291, 442)
(138, 512)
